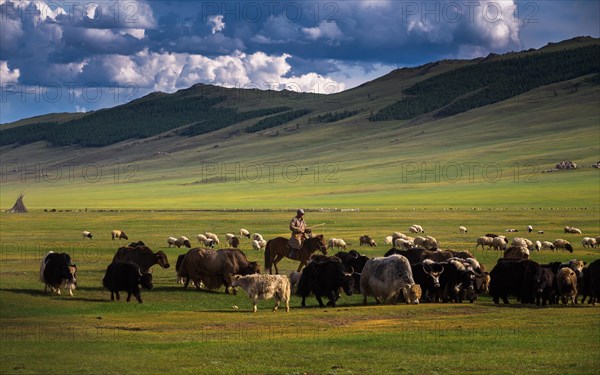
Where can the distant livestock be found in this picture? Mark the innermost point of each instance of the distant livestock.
(387, 240)
(258, 245)
(588, 242)
(336, 242)
(462, 229)
(516, 252)
(415, 229)
(213, 236)
(388, 278)
(143, 256)
(244, 233)
(57, 271)
(201, 238)
(484, 241)
(171, 241)
(126, 276)
(233, 242)
(499, 243)
(572, 230)
(562, 244)
(529, 228)
(183, 241)
(401, 243)
(85, 234)
(512, 230)
(547, 245)
(118, 234)
(257, 237)
(367, 240)
(261, 287)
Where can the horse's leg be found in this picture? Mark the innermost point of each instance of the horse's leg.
(302, 264)
(277, 259)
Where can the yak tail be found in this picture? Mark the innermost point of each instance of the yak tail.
(268, 256)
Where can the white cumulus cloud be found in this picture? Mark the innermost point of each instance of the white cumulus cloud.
(216, 23)
(8, 75)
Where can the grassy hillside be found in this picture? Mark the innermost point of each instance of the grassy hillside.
(189, 331)
(489, 157)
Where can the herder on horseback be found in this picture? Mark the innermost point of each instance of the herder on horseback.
(298, 228)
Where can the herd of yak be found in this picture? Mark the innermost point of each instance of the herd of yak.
(410, 276)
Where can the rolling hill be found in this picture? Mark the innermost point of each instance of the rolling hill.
(485, 144)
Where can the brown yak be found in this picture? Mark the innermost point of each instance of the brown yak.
(143, 256)
(215, 267)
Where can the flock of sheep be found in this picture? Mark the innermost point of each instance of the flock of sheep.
(211, 240)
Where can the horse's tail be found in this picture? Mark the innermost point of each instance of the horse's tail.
(268, 256)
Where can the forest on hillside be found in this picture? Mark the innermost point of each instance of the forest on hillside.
(490, 82)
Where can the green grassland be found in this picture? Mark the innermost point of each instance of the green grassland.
(189, 331)
(489, 157)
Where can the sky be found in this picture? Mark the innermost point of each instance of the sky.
(77, 56)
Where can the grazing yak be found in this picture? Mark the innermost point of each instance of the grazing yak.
(215, 267)
(388, 278)
(544, 292)
(519, 278)
(85, 234)
(354, 263)
(118, 234)
(143, 256)
(324, 276)
(427, 275)
(593, 277)
(126, 276)
(261, 287)
(57, 271)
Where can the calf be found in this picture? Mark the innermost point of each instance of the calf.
(261, 287)
(566, 283)
(126, 276)
(545, 289)
(57, 271)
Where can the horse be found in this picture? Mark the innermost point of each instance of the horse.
(277, 249)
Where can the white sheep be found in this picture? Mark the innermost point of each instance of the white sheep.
(262, 244)
(538, 245)
(209, 242)
(547, 245)
(529, 228)
(183, 241)
(85, 234)
(401, 243)
(233, 241)
(244, 233)
(522, 242)
(572, 230)
(398, 235)
(201, 238)
(257, 245)
(419, 241)
(336, 242)
(499, 243)
(431, 243)
(213, 236)
(562, 244)
(229, 236)
(540, 232)
(588, 242)
(419, 228)
(257, 237)
(171, 241)
(388, 240)
(462, 229)
(485, 241)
